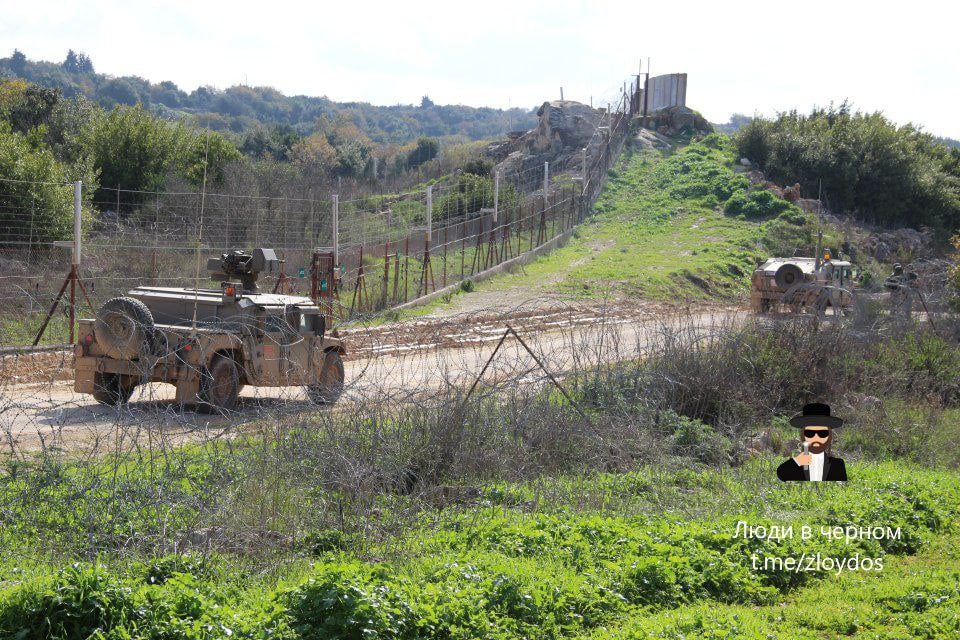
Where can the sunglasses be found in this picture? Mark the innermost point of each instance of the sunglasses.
(816, 433)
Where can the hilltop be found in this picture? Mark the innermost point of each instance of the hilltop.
(241, 108)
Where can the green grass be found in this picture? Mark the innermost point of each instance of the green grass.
(914, 597)
(650, 553)
(660, 232)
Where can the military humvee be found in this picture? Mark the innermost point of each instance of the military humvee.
(209, 343)
(820, 284)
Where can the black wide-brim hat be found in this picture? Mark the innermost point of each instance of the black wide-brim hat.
(816, 414)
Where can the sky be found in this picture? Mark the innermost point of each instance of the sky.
(741, 56)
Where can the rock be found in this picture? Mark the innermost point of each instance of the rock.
(679, 119)
(564, 129)
(777, 191)
(759, 443)
(792, 194)
(756, 177)
(899, 245)
(652, 140)
(745, 162)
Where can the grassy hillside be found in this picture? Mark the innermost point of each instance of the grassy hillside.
(671, 226)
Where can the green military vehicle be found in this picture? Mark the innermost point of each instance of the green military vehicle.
(209, 343)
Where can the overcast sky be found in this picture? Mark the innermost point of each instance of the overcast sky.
(748, 57)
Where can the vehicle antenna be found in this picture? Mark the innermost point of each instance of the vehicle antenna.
(203, 195)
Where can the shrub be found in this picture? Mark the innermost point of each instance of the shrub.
(758, 203)
(866, 164)
(83, 601)
(350, 601)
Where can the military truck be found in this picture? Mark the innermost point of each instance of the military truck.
(209, 343)
(819, 284)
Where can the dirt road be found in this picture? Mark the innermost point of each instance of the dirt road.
(387, 363)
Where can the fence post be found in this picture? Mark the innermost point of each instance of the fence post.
(77, 214)
(583, 162)
(336, 231)
(496, 195)
(429, 212)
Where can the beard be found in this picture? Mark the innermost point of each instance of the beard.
(819, 447)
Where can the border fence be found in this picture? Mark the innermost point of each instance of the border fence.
(388, 250)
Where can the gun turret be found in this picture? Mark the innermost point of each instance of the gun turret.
(245, 267)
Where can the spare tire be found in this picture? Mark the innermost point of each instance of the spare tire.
(788, 275)
(123, 328)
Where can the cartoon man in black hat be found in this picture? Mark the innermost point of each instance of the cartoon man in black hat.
(816, 434)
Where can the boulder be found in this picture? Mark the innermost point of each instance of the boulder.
(899, 245)
(564, 129)
(792, 194)
(679, 119)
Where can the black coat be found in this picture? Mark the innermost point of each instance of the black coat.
(833, 469)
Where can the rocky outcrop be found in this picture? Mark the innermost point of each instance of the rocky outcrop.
(564, 129)
(676, 120)
(899, 245)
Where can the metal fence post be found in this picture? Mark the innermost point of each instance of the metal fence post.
(336, 231)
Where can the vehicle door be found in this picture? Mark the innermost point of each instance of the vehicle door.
(301, 354)
(278, 336)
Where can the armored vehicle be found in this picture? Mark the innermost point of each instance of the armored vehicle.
(209, 343)
(818, 284)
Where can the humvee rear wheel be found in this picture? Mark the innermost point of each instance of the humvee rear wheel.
(123, 327)
(111, 389)
(329, 385)
(219, 386)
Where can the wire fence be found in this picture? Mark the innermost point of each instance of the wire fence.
(390, 249)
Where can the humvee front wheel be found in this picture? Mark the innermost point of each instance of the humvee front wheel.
(329, 385)
(111, 389)
(219, 386)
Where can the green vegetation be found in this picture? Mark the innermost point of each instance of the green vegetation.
(506, 518)
(888, 175)
(496, 572)
(36, 204)
(259, 111)
(674, 227)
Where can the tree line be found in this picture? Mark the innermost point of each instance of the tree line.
(241, 109)
(48, 139)
(863, 163)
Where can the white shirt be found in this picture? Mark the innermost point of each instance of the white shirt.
(816, 467)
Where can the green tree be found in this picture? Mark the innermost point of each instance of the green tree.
(194, 147)
(70, 63)
(132, 149)
(36, 201)
(887, 174)
(120, 91)
(84, 63)
(26, 105)
(18, 62)
(425, 150)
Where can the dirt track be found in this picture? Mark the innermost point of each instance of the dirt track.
(392, 363)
